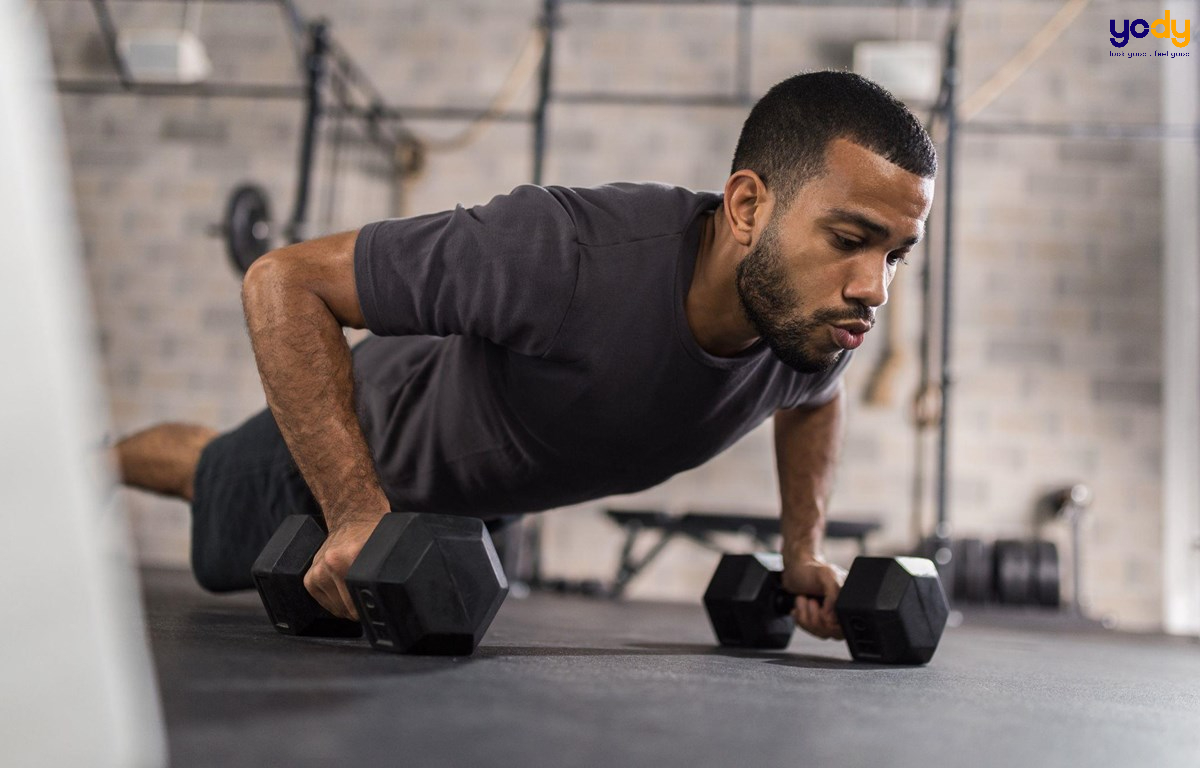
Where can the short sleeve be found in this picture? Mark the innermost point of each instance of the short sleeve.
(504, 271)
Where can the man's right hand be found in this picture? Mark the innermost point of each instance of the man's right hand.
(326, 578)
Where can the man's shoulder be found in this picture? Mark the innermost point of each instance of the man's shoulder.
(623, 211)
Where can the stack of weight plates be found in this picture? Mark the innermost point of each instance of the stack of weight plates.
(1009, 571)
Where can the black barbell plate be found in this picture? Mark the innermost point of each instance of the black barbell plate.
(247, 225)
(1014, 572)
(1046, 575)
(976, 567)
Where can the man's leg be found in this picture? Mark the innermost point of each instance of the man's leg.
(242, 484)
(163, 458)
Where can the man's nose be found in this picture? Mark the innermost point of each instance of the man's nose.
(868, 284)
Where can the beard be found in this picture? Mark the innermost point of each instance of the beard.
(775, 310)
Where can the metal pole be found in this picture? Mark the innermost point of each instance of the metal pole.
(1074, 130)
(550, 11)
(208, 90)
(744, 62)
(942, 531)
(920, 416)
(108, 31)
(315, 71)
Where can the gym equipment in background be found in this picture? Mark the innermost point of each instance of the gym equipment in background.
(1010, 572)
(1026, 573)
(709, 529)
(1070, 503)
(247, 225)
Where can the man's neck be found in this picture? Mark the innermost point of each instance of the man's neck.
(713, 309)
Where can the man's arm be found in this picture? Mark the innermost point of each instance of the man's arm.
(297, 300)
(807, 443)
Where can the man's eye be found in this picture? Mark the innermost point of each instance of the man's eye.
(895, 259)
(845, 243)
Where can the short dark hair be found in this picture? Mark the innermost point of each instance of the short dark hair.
(786, 134)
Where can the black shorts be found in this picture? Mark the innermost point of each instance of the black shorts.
(246, 484)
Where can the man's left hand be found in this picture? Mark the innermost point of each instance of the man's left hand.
(810, 577)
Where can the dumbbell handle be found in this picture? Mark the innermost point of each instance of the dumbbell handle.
(783, 601)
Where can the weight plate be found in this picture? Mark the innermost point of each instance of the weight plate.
(1046, 574)
(247, 225)
(1014, 572)
(975, 564)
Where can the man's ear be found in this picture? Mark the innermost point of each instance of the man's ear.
(747, 206)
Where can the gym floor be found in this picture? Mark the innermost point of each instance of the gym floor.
(571, 681)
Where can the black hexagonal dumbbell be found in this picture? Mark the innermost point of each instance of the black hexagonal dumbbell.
(428, 584)
(891, 610)
(278, 574)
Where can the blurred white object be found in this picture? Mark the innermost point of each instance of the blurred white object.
(76, 683)
(910, 69)
(1180, 196)
(164, 56)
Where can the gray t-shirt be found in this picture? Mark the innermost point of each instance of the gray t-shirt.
(534, 352)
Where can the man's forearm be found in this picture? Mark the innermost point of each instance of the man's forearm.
(807, 443)
(305, 365)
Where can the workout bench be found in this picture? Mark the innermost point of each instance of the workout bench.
(701, 528)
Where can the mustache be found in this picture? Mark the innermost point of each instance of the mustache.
(859, 313)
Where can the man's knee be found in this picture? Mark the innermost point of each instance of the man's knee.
(219, 577)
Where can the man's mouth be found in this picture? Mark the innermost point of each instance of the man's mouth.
(850, 335)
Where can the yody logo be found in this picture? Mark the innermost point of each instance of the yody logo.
(1163, 27)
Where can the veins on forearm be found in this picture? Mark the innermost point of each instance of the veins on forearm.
(305, 366)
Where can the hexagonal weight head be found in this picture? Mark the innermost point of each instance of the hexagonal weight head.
(743, 602)
(278, 573)
(892, 609)
(427, 584)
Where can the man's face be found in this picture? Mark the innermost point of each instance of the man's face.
(821, 267)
